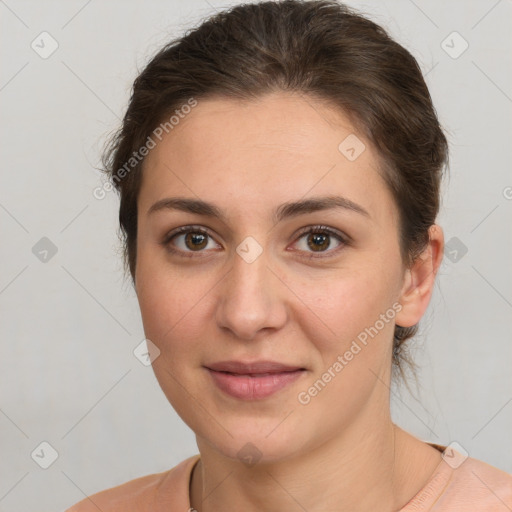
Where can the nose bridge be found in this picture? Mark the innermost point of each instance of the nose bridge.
(250, 298)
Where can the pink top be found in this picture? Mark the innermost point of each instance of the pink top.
(457, 484)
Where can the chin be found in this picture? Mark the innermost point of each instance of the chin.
(254, 440)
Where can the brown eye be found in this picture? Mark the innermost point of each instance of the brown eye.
(188, 240)
(318, 241)
(195, 240)
(321, 240)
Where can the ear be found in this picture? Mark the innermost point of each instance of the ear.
(419, 280)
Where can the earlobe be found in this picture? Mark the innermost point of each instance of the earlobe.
(419, 280)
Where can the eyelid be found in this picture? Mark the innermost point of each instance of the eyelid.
(321, 228)
(190, 228)
(342, 237)
(185, 229)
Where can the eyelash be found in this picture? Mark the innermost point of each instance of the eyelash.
(318, 229)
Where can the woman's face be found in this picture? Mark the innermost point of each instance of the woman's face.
(260, 286)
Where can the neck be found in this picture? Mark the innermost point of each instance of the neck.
(372, 465)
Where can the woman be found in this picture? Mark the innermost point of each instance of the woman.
(279, 171)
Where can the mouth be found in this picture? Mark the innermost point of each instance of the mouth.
(253, 381)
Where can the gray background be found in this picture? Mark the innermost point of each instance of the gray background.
(69, 325)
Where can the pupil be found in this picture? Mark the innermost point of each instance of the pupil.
(198, 240)
(319, 241)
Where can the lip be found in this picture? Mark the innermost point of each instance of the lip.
(253, 381)
(254, 367)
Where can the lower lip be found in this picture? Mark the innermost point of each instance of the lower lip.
(246, 387)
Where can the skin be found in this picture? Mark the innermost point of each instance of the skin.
(248, 158)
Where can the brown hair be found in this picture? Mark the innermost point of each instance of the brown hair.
(322, 49)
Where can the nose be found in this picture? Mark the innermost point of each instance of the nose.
(251, 299)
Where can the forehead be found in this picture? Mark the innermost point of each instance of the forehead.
(278, 122)
(279, 147)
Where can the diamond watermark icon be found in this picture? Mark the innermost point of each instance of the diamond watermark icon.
(44, 455)
(45, 45)
(249, 249)
(249, 454)
(455, 249)
(351, 147)
(454, 45)
(146, 352)
(44, 250)
(454, 455)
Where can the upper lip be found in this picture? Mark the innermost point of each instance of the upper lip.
(255, 367)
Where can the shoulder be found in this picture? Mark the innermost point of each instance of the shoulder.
(135, 493)
(142, 494)
(463, 483)
(477, 484)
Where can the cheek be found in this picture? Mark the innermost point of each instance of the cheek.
(167, 301)
(353, 343)
(338, 307)
(174, 310)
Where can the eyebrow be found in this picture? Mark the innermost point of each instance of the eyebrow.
(283, 211)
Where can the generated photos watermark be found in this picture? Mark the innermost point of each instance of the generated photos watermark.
(304, 397)
(139, 155)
